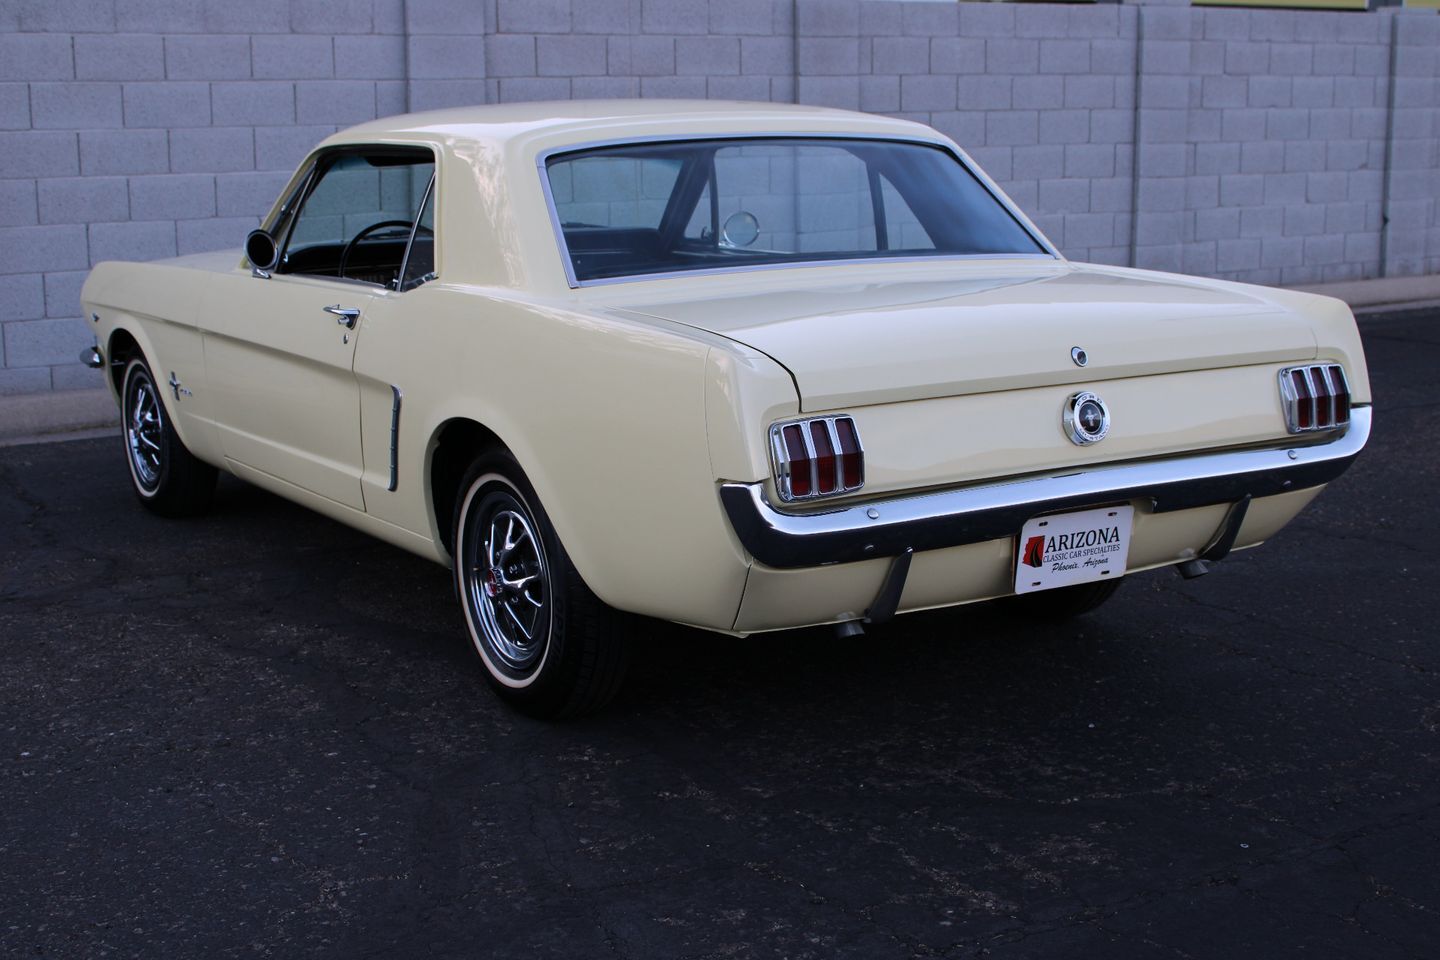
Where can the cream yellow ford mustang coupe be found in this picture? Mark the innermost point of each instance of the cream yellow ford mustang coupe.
(741, 366)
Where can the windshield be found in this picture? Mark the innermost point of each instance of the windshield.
(641, 209)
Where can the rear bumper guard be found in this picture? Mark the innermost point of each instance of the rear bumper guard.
(951, 518)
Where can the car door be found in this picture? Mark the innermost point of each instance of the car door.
(280, 347)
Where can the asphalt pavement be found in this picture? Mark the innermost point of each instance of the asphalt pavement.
(260, 734)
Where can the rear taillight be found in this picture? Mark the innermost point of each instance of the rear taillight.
(818, 457)
(1315, 397)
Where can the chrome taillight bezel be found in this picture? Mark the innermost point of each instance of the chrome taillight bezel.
(782, 464)
(1323, 400)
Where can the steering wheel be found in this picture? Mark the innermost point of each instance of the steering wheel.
(374, 227)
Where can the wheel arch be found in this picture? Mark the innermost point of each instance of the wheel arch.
(453, 446)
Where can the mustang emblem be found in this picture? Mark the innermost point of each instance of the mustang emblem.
(1087, 419)
(178, 387)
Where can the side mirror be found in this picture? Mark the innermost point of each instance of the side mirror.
(261, 251)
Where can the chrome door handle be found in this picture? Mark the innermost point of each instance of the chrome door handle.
(345, 316)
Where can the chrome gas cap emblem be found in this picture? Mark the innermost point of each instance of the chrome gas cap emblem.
(1078, 355)
(1087, 419)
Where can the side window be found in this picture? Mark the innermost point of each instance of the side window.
(420, 264)
(356, 221)
(903, 230)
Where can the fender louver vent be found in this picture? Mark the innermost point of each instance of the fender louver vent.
(820, 457)
(1315, 397)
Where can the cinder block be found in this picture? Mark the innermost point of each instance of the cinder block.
(123, 57)
(1269, 91)
(509, 55)
(1159, 229)
(370, 58)
(1326, 187)
(297, 57)
(764, 55)
(1088, 230)
(1064, 196)
(976, 20)
(570, 56)
(1171, 23)
(159, 16)
(1262, 156)
(212, 150)
(532, 16)
(222, 233)
(137, 240)
(1241, 254)
(710, 56)
(1281, 252)
(1324, 249)
(929, 19)
(15, 382)
(1165, 56)
(32, 57)
(248, 194)
(1065, 126)
(62, 292)
(1207, 58)
(996, 161)
(1037, 22)
(984, 92)
(1089, 92)
(447, 58)
(926, 93)
(1242, 124)
(1217, 158)
(22, 297)
(623, 16)
(37, 249)
(733, 88)
(682, 88)
(897, 55)
(1222, 223)
(1287, 124)
(1032, 92)
(282, 148)
(1114, 194)
(843, 92)
(1304, 220)
(1009, 55)
(172, 196)
(1304, 156)
(254, 16)
(608, 88)
(1064, 56)
(513, 89)
(1261, 221)
(167, 104)
(435, 94)
(73, 376)
(18, 207)
(1110, 126)
(446, 17)
(1218, 92)
(880, 94)
(1345, 217)
(38, 343)
(1242, 190)
(331, 16)
(827, 18)
(341, 102)
(1040, 162)
(674, 16)
(252, 103)
(123, 152)
(1202, 193)
(1113, 56)
(829, 56)
(1161, 194)
(14, 106)
(83, 199)
(75, 106)
(1089, 160)
(207, 58)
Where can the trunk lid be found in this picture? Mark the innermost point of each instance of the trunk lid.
(919, 332)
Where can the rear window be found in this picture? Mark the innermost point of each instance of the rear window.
(654, 208)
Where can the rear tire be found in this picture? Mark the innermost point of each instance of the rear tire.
(1065, 603)
(166, 477)
(549, 646)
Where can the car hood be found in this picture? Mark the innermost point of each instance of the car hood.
(909, 333)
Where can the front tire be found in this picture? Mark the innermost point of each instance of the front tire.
(166, 477)
(549, 646)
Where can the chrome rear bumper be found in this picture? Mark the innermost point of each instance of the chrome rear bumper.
(888, 528)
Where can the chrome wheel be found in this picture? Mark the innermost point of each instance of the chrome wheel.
(144, 431)
(506, 583)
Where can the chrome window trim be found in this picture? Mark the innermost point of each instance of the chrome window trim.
(415, 229)
(996, 509)
(542, 159)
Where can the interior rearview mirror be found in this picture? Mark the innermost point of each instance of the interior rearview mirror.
(261, 251)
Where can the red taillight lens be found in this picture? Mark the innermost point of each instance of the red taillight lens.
(852, 460)
(1315, 397)
(826, 475)
(817, 457)
(799, 459)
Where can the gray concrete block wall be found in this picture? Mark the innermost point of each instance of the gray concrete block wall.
(1270, 146)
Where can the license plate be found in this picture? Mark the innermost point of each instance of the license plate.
(1070, 548)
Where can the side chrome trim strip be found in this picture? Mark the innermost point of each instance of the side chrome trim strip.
(396, 395)
(886, 528)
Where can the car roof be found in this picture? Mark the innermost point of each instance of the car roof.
(590, 120)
